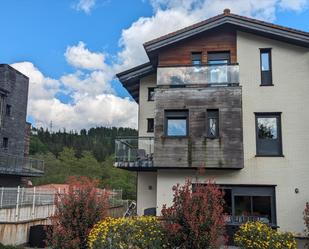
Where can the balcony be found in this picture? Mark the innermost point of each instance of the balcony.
(19, 165)
(212, 75)
(134, 152)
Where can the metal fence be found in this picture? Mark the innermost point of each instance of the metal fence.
(20, 204)
(20, 165)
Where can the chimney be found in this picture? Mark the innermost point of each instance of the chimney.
(226, 11)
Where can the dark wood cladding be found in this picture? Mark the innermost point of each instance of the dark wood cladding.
(223, 39)
(197, 150)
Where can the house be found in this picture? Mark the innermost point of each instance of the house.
(15, 163)
(230, 95)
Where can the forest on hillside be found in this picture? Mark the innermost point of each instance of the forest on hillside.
(88, 152)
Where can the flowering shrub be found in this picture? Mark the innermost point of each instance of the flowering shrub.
(76, 213)
(257, 235)
(306, 221)
(195, 220)
(124, 233)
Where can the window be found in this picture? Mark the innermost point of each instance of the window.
(196, 58)
(250, 208)
(1, 109)
(218, 58)
(5, 143)
(150, 125)
(217, 62)
(151, 93)
(266, 68)
(176, 123)
(268, 134)
(8, 110)
(248, 203)
(213, 123)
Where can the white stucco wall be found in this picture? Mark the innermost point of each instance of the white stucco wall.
(146, 191)
(146, 109)
(289, 95)
(146, 197)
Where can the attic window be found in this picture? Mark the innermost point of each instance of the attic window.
(196, 58)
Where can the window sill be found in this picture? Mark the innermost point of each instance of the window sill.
(174, 137)
(269, 155)
(267, 85)
(212, 138)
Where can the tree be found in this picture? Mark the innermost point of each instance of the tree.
(306, 221)
(76, 213)
(195, 220)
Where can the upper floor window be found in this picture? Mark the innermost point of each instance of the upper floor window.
(176, 123)
(266, 67)
(151, 93)
(268, 134)
(1, 109)
(150, 125)
(5, 143)
(218, 58)
(8, 110)
(196, 58)
(213, 123)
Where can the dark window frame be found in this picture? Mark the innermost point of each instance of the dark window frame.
(249, 191)
(276, 115)
(150, 89)
(213, 113)
(267, 74)
(8, 110)
(217, 56)
(176, 114)
(149, 120)
(200, 58)
(5, 143)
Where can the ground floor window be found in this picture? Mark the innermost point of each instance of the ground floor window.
(250, 203)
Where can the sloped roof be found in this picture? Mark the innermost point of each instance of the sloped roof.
(279, 32)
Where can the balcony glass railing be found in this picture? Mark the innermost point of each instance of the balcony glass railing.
(134, 152)
(221, 75)
(12, 164)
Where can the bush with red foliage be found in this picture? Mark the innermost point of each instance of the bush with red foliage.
(306, 221)
(77, 211)
(196, 219)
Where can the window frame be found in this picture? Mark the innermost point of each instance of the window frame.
(276, 115)
(201, 58)
(148, 126)
(270, 72)
(149, 95)
(8, 110)
(214, 114)
(5, 143)
(249, 191)
(176, 114)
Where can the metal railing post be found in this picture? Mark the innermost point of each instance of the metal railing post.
(33, 202)
(17, 204)
(1, 198)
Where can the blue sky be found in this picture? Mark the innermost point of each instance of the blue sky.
(71, 49)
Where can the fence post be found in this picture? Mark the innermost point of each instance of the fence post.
(17, 204)
(1, 198)
(33, 203)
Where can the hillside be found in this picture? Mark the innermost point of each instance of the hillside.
(88, 153)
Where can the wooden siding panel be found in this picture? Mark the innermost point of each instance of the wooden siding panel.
(223, 39)
(197, 150)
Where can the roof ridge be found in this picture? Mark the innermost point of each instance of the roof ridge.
(225, 14)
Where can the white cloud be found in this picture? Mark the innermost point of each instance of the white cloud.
(85, 5)
(296, 5)
(101, 110)
(80, 57)
(94, 101)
